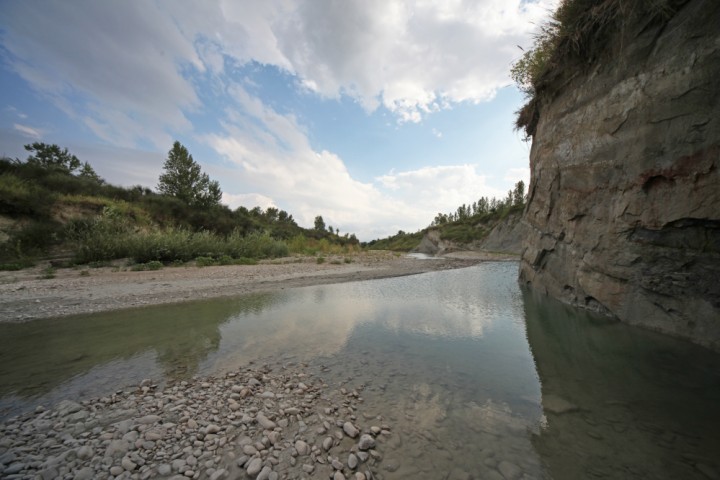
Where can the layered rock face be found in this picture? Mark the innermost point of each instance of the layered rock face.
(624, 200)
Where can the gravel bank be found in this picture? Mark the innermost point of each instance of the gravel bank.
(263, 422)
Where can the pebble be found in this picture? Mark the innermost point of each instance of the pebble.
(350, 430)
(366, 442)
(302, 447)
(254, 466)
(509, 470)
(188, 430)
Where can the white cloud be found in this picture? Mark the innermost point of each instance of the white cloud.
(438, 189)
(247, 200)
(116, 66)
(516, 174)
(270, 160)
(125, 68)
(28, 131)
(134, 73)
(412, 57)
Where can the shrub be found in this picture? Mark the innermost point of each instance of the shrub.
(205, 261)
(320, 260)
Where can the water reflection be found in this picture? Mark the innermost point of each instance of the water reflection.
(94, 354)
(478, 378)
(622, 402)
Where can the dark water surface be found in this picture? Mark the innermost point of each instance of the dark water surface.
(478, 378)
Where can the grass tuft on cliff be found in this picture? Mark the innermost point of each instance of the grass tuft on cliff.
(574, 37)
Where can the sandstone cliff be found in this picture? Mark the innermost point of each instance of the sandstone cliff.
(624, 200)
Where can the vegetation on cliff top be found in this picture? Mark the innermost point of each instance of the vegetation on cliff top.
(574, 37)
(468, 223)
(52, 204)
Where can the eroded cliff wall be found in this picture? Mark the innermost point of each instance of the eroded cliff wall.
(623, 211)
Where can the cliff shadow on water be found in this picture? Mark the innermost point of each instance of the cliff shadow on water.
(621, 402)
(623, 212)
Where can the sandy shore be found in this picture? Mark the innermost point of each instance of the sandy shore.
(26, 295)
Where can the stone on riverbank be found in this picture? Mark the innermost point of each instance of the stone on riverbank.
(188, 429)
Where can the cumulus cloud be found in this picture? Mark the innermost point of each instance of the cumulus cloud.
(135, 72)
(411, 57)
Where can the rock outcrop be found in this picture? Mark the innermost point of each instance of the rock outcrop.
(624, 199)
(503, 236)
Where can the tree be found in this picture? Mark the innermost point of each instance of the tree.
(184, 179)
(519, 193)
(52, 157)
(88, 172)
(319, 224)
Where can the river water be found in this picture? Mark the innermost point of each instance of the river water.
(479, 378)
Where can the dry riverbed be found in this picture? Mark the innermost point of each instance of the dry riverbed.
(27, 294)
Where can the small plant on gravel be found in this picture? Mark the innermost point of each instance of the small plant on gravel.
(85, 273)
(48, 273)
(245, 261)
(320, 260)
(336, 262)
(348, 260)
(141, 267)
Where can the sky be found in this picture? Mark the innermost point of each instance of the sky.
(375, 114)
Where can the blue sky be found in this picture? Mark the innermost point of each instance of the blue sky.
(375, 114)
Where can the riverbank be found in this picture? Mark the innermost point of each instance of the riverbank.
(265, 422)
(28, 294)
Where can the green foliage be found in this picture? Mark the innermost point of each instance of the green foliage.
(205, 261)
(184, 179)
(319, 224)
(320, 260)
(53, 209)
(152, 265)
(51, 157)
(48, 273)
(401, 241)
(87, 172)
(17, 265)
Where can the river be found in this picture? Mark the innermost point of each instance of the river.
(479, 378)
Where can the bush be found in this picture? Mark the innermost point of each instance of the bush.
(205, 261)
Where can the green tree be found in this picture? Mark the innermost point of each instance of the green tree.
(319, 224)
(86, 171)
(519, 193)
(184, 179)
(52, 157)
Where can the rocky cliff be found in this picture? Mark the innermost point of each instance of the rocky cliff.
(624, 200)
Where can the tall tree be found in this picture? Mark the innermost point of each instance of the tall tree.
(184, 179)
(52, 156)
(319, 224)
